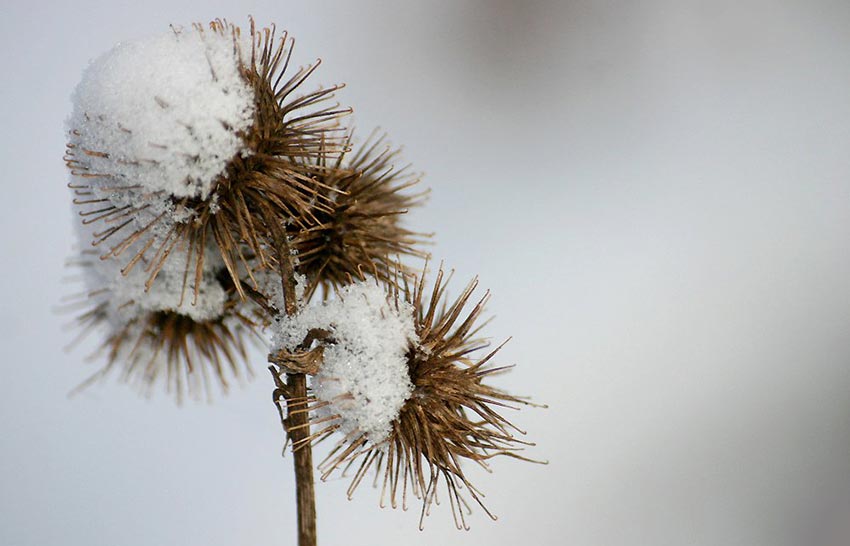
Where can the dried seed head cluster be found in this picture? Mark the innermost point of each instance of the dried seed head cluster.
(449, 414)
(216, 198)
(198, 147)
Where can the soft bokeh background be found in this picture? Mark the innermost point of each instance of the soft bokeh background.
(658, 195)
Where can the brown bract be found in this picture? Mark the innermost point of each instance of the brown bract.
(274, 182)
(356, 227)
(452, 415)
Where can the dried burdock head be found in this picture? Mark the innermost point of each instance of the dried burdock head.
(356, 227)
(158, 335)
(194, 140)
(448, 413)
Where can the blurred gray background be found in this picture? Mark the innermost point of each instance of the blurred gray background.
(658, 195)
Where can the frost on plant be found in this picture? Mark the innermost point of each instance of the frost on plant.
(219, 200)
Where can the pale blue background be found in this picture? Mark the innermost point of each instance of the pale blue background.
(658, 195)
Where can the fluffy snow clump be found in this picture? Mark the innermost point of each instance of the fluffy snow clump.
(363, 376)
(160, 116)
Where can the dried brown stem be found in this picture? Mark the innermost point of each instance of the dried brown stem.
(297, 424)
(298, 428)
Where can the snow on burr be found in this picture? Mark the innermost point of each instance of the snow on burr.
(159, 118)
(364, 375)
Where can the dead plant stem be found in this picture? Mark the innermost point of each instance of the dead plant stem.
(297, 424)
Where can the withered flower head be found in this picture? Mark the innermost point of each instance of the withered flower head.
(157, 335)
(449, 413)
(355, 227)
(198, 139)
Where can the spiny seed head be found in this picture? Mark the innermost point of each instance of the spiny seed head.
(198, 137)
(158, 336)
(451, 415)
(355, 227)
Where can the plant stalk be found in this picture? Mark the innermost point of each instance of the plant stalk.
(297, 423)
(305, 492)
